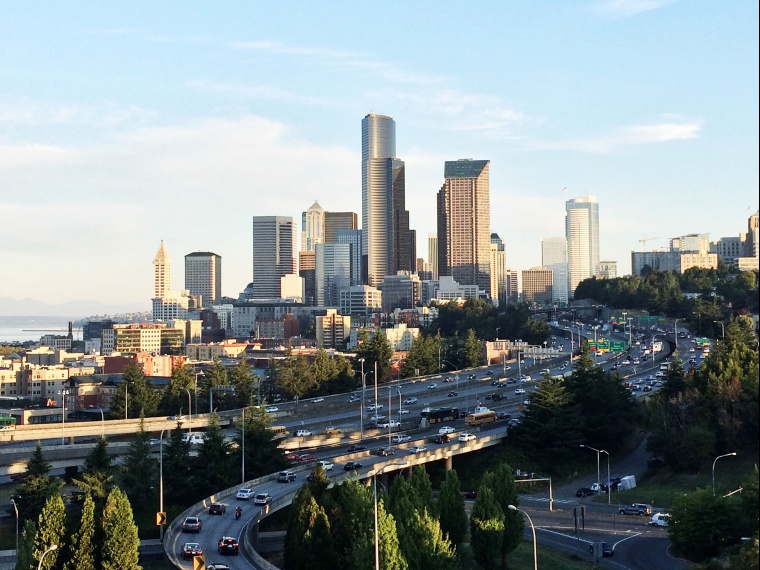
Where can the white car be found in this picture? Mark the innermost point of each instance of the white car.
(525, 378)
(373, 407)
(445, 430)
(401, 438)
(410, 401)
(326, 465)
(271, 409)
(317, 400)
(520, 391)
(403, 411)
(418, 449)
(432, 386)
(389, 424)
(302, 433)
(466, 437)
(262, 499)
(245, 494)
(526, 402)
(659, 519)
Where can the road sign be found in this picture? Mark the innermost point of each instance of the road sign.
(603, 345)
(592, 346)
(160, 519)
(617, 346)
(199, 562)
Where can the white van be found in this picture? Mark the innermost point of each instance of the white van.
(659, 519)
(193, 438)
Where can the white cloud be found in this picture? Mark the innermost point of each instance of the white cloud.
(266, 92)
(35, 114)
(626, 8)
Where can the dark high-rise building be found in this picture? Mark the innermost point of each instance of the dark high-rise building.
(336, 221)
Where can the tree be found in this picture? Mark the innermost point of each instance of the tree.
(25, 554)
(451, 507)
(174, 397)
(422, 490)
(51, 529)
(97, 479)
(241, 378)
(138, 472)
(262, 454)
(36, 487)
(81, 554)
(422, 357)
(404, 510)
(142, 398)
(176, 458)
(375, 350)
(363, 551)
(434, 549)
(317, 545)
(214, 377)
(487, 529)
(212, 468)
(352, 517)
(296, 527)
(120, 543)
(473, 350)
(502, 483)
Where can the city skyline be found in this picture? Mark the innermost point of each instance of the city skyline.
(217, 117)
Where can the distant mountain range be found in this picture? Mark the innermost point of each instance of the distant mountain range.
(72, 309)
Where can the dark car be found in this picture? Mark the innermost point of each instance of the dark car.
(190, 549)
(584, 492)
(503, 415)
(604, 548)
(217, 509)
(355, 448)
(352, 466)
(191, 524)
(228, 545)
(489, 373)
(383, 451)
(440, 438)
(470, 495)
(452, 394)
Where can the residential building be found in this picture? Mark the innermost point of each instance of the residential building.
(203, 276)
(537, 285)
(274, 248)
(333, 329)
(671, 261)
(464, 223)
(582, 234)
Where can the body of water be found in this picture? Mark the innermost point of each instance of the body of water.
(22, 329)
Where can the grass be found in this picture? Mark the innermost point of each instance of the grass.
(522, 557)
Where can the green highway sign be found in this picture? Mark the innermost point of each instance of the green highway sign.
(702, 340)
(592, 345)
(617, 346)
(603, 345)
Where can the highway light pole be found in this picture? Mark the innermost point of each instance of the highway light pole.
(533, 528)
(161, 480)
(102, 421)
(713, 468)
(15, 508)
(722, 329)
(598, 477)
(195, 389)
(189, 408)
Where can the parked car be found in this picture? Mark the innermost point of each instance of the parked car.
(640, 509)
(352, 466)
(245, 494)
(584, 492)
(217, 509)
(191, 549)
(228, 545)
(192, 524)
(286, 477)
(262, 499)
(466, 437)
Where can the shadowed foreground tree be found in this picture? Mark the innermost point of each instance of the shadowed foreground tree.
(452, 509)
(36, 487)
(26, 546)
(487, 529)
(138, 473)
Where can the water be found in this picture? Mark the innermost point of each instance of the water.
(22, 329)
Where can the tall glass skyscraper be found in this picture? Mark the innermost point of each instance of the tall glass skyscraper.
(582, 234)
(386, 241)
(274, 254)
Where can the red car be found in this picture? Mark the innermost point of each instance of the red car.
(307, 457)
(191, 549)
(217, 509)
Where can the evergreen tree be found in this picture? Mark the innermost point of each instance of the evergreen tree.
(452, 509)
(434, 549)
(25, 554)
(241, 378)
(473, 350)
(375, 349)
(317, 544)
(138, 473)
(351, 517)
(212, 468)
(214, 377)
(51, 530)
(175, 397)
(262, 454)
(502, 482)
(487, 529)
(176, 462)
(120, 543)
(81, 553)
(137, 391)
(422, 490)
(299, 519)
(37, 486)
(97, 478)
(401, 505)
(318, 483)
(362, 553)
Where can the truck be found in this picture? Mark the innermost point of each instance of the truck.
(627, 482)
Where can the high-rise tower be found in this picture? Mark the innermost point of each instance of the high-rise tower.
(386, 243)
(274, 248)
(203, 275)
(582, 234)
(464, 223)
(162, 273)
(312, 227)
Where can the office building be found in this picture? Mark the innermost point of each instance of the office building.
(306, 269)
(464, 223)
(401, 291)
(332, 272)
(582, 234)
(433, 254)
(554, 257)
(537, 285)
(274, 248)
(203, 276)
(386, 240)
(312, 227)
(336, 221)
(677, 261)
(607, 270)
(498, 270)
(162, 272)
(360, 300)
(353, 238)
(513, 292)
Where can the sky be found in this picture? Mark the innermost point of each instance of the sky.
(124, 124)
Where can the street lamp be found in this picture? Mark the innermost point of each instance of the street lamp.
(700, 321)
(195, 389)
(15, 508)
(102, 421)
(598, 477)
(161, 479)
(189, 408)
(533, 528)
(722, 329)
(713, 468)
(50, 549)
(64, 392)
(675, 336)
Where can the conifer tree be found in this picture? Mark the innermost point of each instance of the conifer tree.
(120, 549)
(138, 473)
(451, 507)
(51, 530)
(36, 487)
(434, 549)
(81, 552)
(25, 554)
(422, 490)
(487, 529)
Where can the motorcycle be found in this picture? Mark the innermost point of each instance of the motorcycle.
(238, 512)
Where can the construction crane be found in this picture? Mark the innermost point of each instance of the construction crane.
(645, 240)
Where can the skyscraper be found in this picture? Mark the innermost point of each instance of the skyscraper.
(464, 223)
(554, 257)
(162, 273)
(312, 227)
(274, 248)
(336, 221)
(203, 276)
(385, 222)
(582, 233)
(433, 253)
(498, 270)
(332, 272)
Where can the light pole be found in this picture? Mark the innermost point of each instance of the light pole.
(722, 329)
(64, 393)
(161, 479)
(195, 389)
(713, 468)
(497, 333)
(675, 336)
(189, 408)
(102, 421)
(533, 528)
(15, 508)
(598, 477)
(50, 549)
(126, 400)
(242, 440)
(700, 321)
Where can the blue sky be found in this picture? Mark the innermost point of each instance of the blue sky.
(125, 124)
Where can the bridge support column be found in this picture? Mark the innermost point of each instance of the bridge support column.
(448, 463)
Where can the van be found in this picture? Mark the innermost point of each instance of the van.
(660, 519)
(193, 438)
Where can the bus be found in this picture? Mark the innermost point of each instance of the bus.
(279, 431)
(480, 418)
(436, 415)
(7, 422)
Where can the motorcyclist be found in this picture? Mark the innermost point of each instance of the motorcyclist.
(238, 512)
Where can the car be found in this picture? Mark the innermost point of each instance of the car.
(432, 386)
(470, 495)
(355, 448)
(154, 441)
(401, 438)
(489, 373)
(519, 391)
(301, 433)
(507, 368)
(514, 422)
(326, 465)
(388, 424)
(228, 545)
(410, 401)
(471, 377)
(192, 524)
(503, 415)
(452, 394)
(647, 388)
(317, 400)
(271, 409)
(494, 382)
(286, 477)
(418, 449)
(604, 548)
(383, 451)
(262, 499)
(403, 411)
(584, 492)
(374, 407)
(640, 509)
(353, 399)
(290, 456)
(545, 371)
(331, 430)
(193, 438)
(660, 375)
(526, 402)
(659, 519)
(306, 457)
(445, 430)
(448, 379)
(525, 378)
(217, 509)
(191, 549)
(352, 466)
(178, 417)
(466, 437)
(442, 438)
(245, 494)
(511, 381)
